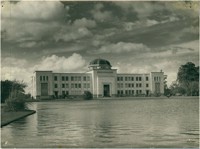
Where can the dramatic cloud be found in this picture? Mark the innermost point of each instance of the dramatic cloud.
(84, 23)
(74, 63)
(135, 36)
(122, 47)
(101, 15)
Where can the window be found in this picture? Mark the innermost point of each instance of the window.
(136, 85)
(125, 78)
(72, 85)
(126, 91)
(132, 85)
(122, 92)
(132, 91)
(118, 78)
(147, 85)
(132, 78)
(154, 78)
(136, 78)
(55, 78)
(63, 93)
(140, 91)
(72, 78)
(140, 84)
(136, 91)
(118, 92)
(63, 85)
(63, 78)
(88, 78)
(40, 78)
(88, 85)
(47, 78)
(140, 78)
(129, 85)
(79, 78)
(84, 78)
(79, 85)
(67, 85)
(118, 85)
(55, 85)
(43, 78)
(84, 85)
(76, 85)
(147, 78)
(121, 78)
(66, 78)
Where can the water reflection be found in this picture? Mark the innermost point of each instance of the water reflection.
(107, 123)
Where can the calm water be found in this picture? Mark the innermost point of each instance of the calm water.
(108, 123)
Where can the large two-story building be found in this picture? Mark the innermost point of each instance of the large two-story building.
(101, 80)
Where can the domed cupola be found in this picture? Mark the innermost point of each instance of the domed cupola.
(100, 64)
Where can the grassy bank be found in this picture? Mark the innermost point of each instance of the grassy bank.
(8, 117)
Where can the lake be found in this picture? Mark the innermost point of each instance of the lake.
(108, 123)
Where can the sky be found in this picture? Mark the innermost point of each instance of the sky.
(135, 36)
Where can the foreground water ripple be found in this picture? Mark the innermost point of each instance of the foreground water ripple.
(131, 123)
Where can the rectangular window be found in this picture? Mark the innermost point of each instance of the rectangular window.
(63, 78)
(136, 78)
(136, 85)
(132, 91)
(136, 91)
(132, 84)
(147, 85)
(154, 78)
(43, 78)
(79, 85)
(129, 85)
(126, 92)
(66, 78)
(125, 78)
(72, 78)
(118, 92)
(76, 85)
(67, 85)
(72, 85)
(140, 85)
(132, 78)
(55, 85)
(63, 93)
(55, 78)
(88, 85)
(147, 78)
(140, 91)
(122, 92)
(140, 78)
(121, 78)
(88, 78)
(84, 78)
(47, 78)
(118, 78)
(40, 78)
(63, 85)
(84, 85)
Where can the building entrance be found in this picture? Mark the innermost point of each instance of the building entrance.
(106, 90)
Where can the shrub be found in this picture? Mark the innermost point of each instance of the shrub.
(87, 95)
(16, 102)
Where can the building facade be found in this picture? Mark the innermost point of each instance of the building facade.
(101, 80)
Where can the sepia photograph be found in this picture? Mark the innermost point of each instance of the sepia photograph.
(99, 74)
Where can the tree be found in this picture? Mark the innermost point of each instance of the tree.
(188, 78)
(87, 95)
(175, 88)
(8, 86)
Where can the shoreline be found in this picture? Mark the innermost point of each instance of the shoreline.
(117, 98)
(9, 117)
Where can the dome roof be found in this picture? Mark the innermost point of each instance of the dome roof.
(100, 64)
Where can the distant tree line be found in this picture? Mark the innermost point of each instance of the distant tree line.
(187, 82)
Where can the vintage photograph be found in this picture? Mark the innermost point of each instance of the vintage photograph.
(99, 74)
